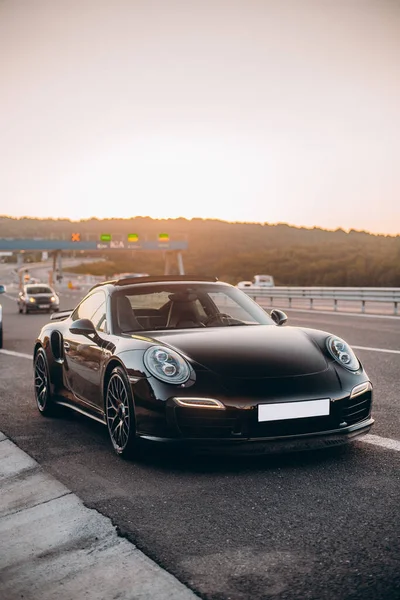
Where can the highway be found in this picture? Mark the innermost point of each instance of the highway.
(322, 525)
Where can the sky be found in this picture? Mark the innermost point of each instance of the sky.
(241, 110)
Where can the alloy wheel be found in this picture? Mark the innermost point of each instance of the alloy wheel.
(118, 413)
(41, 382)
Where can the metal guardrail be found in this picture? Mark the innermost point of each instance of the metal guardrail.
(336, 294)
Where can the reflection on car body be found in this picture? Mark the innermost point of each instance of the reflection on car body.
(197, 362)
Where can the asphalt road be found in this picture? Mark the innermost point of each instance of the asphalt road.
(322, 525)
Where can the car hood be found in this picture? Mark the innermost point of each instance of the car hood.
(254, 351)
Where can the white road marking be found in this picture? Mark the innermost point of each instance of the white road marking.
(387, 350)
(17, 354)
(10, 297)
(377, 440)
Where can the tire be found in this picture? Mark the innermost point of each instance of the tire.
(42, 386)
(120, 414)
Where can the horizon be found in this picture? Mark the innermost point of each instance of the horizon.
(265, 223)
(250, 111)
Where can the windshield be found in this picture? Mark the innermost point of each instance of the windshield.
(184, 306)
(38, 289)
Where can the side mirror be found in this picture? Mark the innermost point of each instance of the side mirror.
(2, 289)
(83, 327)
(278, 316)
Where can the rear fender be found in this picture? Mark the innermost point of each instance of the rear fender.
(55, 360)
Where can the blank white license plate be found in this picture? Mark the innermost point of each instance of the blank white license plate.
(293, 410)
(44, 305)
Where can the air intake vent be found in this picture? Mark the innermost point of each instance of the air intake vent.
(56, 345)
(357, 409)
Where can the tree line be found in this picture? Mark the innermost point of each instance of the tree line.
(236, 251)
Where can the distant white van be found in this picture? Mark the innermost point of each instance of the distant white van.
(263, 281)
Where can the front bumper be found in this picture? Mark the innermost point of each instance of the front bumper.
(42, 306)
(239, 424)
(238, 427)
(271, 445)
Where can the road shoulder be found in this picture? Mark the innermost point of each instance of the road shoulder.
(52, 546)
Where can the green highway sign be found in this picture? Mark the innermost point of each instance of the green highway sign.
(105, 237)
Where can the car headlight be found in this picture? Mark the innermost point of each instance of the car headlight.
(342, 353)
(33, 300)
(167, 365)
(52, 299)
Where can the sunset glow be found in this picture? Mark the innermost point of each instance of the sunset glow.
(242, 111)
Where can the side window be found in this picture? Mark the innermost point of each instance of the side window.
(89, 306)
(99, 317)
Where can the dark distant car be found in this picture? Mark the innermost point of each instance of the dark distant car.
(38, 297)
(192, 361)
(2, 290)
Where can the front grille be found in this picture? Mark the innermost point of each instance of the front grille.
(292, 426)
(43, 299)
(205, 423)
(348, 411)
(357, 409)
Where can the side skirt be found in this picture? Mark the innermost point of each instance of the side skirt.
(100, 418)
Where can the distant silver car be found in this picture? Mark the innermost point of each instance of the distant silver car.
(2, 290)
(38, 297)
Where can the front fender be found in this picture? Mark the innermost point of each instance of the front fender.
(132, 360)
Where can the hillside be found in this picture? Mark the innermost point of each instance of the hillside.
(236, 251)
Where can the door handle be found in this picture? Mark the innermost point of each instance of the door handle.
(66, 345)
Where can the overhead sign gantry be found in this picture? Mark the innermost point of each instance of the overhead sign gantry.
(172, 248)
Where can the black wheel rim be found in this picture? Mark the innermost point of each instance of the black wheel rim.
(118, 413)
(41, 382)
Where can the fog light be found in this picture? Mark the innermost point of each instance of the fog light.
(200, 403)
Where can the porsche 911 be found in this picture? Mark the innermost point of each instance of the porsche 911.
(195, 362)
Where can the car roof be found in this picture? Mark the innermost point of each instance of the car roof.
(133, 281)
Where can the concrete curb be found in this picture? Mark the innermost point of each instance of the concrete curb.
(52, 546)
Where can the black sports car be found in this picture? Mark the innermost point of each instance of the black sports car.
(178, 360)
